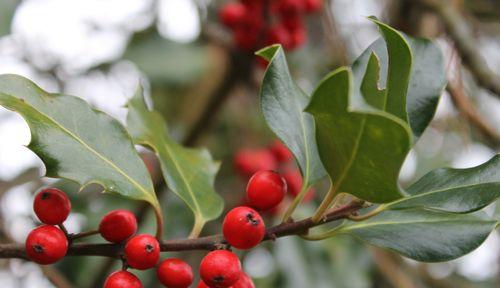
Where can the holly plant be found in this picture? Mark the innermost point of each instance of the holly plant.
(355, 130)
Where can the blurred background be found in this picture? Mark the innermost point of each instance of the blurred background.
(207, 89)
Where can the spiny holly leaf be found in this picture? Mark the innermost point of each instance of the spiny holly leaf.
(427, 78)
(455, 190)
(362, 151)
(77, 142)
(189, 173)
(423, 235)
(283, 103)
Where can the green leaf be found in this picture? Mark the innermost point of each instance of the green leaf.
(189, 173)
(455, 190)
(423, 235)
(427, 79)
(283, 103)
(77, 142)
(362, 150)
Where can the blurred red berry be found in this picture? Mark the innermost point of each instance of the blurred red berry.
(312, 6)
(293, 180)
(244, 282)
(247, 162)
(290, 7)
(281, 152)
(292, 23)
(232, 14)
(278, 35)
(298, 37)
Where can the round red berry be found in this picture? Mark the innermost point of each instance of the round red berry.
(243, 228)
(175, 273)
(293, 180)
(265, 190)
(51, 206)
(122, 279)
(247, 162)
(202, 284)
(118, 226)
(220, 269)
(280, 152)
(46, 244)
(244, 282)
(232, 14)
(142, 251)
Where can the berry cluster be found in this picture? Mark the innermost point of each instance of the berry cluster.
(255, 24)
(275, 157)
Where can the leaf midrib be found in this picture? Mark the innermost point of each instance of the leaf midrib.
(110, 163)
(368, 225)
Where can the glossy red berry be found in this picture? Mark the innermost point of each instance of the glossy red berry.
(247, 162)
(281, 152)
(220, 269)
(265, 190)
(142, 251)
(232, 14)
(293, 180)
(46, 244)
(51, 206)
(244, 282)
(122, 279)
(118, 226)
(175, 273)
(243, 228)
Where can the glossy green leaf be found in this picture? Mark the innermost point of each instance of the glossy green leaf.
(283, 103)
(423, 235)
(77, 142)
(426, 83)
(189, 173)
(362, 150)
(455, 190)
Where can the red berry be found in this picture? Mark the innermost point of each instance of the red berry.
(265, 190)
(52, 206)
(247, 162)
(290, 7)
(232, 14)
(244, 282)
(202, 284)
(278, 35)
(142, 251)
(293, 180)
(175, 273)
(246, 38)
(220, 269)
(298, 37)
(292, 23)
(118, 225)
(243, 227)
(46, 244)
(122, 279)
(312, 6)
(281, 152)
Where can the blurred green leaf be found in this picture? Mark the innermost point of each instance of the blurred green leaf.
(7, 10)
(283, 103)
(165, 61)
(361, 150)
(423, 235)
(455, 190)
(189, 173)
(77, 142)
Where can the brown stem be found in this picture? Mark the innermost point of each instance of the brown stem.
(83, 234)
(204, 243)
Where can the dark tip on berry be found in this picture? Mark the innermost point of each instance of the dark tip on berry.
(45, 195)
(251, 219)
(149, 248)
(38, 248)
(218, 279)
